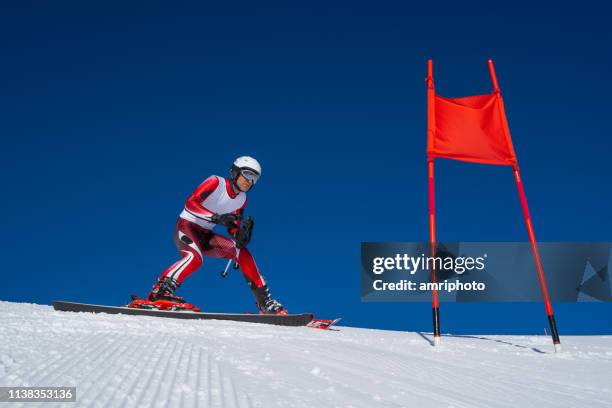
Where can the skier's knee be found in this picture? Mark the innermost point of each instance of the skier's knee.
(186, 239)
(244, 255)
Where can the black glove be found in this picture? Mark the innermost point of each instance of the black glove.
(243, 237)
(244, 234)
(228, 220)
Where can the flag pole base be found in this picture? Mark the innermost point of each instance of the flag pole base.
(554, 333)
(436, 326)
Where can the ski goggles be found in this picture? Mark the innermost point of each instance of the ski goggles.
(250, 175)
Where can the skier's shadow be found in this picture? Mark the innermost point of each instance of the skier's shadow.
(537, 350)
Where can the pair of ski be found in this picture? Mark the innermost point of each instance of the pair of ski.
(303, 319)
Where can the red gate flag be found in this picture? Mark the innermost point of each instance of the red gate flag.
(472, 128)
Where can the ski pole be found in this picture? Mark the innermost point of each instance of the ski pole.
(229, 262)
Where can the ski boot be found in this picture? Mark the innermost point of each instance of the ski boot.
(162, 297)
(265, 303)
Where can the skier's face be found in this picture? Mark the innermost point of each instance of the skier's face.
(243, 183)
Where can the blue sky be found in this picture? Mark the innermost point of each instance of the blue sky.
(113, 114)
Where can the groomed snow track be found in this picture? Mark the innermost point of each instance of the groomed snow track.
(137, 361)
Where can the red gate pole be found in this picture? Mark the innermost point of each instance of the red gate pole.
(528, 223)
(435, 302)
(431, 126)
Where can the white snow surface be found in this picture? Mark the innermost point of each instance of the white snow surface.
(138, 361)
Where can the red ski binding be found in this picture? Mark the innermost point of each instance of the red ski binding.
(281, 312)
(138, 303)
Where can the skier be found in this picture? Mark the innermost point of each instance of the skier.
(217, 201)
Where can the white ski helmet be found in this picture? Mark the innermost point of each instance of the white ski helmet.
(247, 167)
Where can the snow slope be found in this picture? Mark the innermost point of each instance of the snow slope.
(134, 361)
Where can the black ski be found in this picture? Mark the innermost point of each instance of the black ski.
(281, 320)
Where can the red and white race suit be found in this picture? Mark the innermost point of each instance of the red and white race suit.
(194, 235)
